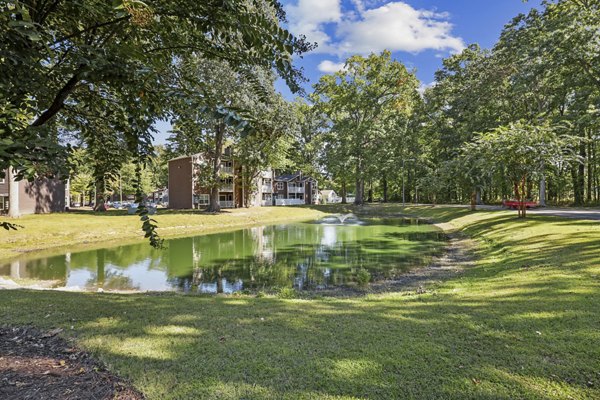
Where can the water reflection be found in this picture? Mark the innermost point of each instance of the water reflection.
(304, 255)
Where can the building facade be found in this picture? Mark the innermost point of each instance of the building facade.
(267, 189)
(43, 195)
(295, 189)
(186, 190)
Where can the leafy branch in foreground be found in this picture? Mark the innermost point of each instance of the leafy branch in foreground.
(149, 225)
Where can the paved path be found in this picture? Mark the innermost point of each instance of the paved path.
(576, 213)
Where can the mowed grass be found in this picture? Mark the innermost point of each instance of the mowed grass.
(76, 228)
(524, 323)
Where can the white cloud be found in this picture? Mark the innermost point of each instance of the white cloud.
(425, 86)
(308, 16)
(395, 26)
(398, 27)
(330, 67)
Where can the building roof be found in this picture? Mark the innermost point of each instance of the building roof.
(287, 177)
(327, 192)
(179, 158)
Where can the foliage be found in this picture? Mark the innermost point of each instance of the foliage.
(519, 153)
(363, 277)
(103, 72)
(287, 293)
(360, 101)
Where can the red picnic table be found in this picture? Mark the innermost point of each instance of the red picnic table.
(515, 204)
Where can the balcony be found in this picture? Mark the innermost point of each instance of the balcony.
(226, 204)
(267, 188)
(296, 189)
(227, 187)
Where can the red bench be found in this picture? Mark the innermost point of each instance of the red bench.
(515, 204)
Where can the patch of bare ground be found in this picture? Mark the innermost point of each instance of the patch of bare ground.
(457, 256)
(41, 365)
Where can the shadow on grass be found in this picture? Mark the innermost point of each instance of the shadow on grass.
(530, 345)
(523, 324)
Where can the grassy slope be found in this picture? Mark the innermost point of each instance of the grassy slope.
(41, 232)
(525, 323)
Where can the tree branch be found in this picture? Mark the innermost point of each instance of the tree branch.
(91, 28)
(59, 100)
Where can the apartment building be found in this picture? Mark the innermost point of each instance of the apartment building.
(43, 195)
(295, 189)
(186, 190)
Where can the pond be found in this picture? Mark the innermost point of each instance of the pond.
(309, 255)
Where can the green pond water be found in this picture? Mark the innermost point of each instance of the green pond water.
(308, 255)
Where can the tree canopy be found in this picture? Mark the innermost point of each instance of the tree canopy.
(102, 73)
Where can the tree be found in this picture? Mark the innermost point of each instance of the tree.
(520, 152)
(82, 174)
(358, 100)
(64, 62)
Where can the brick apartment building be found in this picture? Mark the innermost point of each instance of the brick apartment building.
(185, 191)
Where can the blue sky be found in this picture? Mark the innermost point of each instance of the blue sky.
(420, 33)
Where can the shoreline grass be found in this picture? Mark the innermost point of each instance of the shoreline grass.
(523, 323)
(47, 233)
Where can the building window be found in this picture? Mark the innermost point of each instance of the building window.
(279, 185)
(2, 180)
(267, 181)
(203, 199)
(3, 203)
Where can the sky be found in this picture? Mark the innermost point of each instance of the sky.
(419, 33)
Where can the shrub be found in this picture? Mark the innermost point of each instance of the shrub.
(363, 277)
(287, 293)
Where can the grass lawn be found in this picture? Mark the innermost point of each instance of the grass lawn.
(523, 323)
(50, 231)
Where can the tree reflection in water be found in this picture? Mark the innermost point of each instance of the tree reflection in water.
(300, 255)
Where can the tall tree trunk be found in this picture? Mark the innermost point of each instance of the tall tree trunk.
(358, 199)
(344, 200)
(385, 189)
(370, 193)
(99, 200)
(518, 198)
(523, 199)
(13, 195)
(542, 186)
(213, 201)
(543, 191)
(580, 183)
(590, 166)
(220, 288)
(574, 178)
(474, 200)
